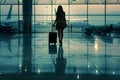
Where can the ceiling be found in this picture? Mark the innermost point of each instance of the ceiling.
(62, 2)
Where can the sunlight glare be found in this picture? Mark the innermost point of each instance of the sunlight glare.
(78, 76)
(20, 1)
(96, 46)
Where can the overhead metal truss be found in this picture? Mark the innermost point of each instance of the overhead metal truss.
(62, 2)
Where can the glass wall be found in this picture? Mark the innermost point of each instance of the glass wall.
(11, 15)
(113, 15)
(44, 17)
(76, 14)
(78, 17)
(98, 15)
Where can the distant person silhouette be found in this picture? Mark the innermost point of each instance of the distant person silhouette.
(60, 22)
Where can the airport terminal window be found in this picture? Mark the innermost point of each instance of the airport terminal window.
(20, 12)
(113, 14)
(11, 15)
(9, 10)
(5, 9)
(43, 17)
(78, 10)
(42, 12)
(78, 17)
(96, 15)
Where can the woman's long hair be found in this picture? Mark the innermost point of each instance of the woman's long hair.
(60, 9)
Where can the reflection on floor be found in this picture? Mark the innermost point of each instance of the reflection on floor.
(80, 57)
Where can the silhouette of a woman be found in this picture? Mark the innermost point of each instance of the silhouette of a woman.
(60, 22)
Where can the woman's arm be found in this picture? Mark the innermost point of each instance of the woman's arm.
(54, 23)
(55, 20)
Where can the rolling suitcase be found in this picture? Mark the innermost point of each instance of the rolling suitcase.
(52, 36)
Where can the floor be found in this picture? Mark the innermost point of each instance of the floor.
(80, 57)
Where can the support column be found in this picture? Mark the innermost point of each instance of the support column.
(18, 16)
(87, 13)
(27, 54)
(105, 13)
(27, 37)
(69, 3)
(0, 13)
(27, 16)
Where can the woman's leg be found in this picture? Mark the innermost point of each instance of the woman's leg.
(59, 35)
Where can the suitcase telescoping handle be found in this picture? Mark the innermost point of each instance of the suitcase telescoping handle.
(53, 28)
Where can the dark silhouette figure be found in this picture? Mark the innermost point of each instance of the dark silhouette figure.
(27, 54)
(60, 22)
(60, 62)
